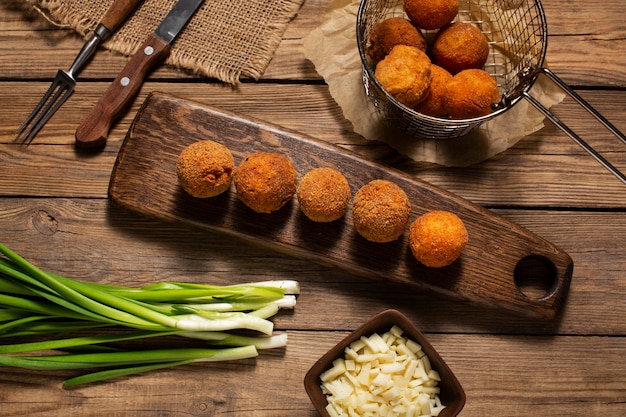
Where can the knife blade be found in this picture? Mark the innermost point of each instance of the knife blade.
(93, 131)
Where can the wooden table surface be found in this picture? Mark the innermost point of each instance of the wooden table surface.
(54, 211)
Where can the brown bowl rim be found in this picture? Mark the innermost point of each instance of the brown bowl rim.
(452, 393)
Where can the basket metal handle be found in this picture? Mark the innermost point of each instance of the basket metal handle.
(529, 74)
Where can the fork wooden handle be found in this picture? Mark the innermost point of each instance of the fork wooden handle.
(117, 13)
(93, 131)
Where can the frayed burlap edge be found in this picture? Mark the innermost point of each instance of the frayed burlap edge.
(229, 64)
(51, 9)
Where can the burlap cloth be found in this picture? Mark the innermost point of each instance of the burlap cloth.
(225, 39)
(333, 50)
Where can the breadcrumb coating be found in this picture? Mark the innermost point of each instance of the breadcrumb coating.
(434, 104)
(323, 194)
(431, 14)
(405, 74)
(437, 238)
(380, 211)
(265, 181)
(391, 32)
(470, 94)
(205, 169)
(460, 46)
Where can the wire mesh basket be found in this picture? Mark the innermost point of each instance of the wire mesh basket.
(517, 39)
(516, 31)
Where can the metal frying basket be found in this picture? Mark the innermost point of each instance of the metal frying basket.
(517, 35)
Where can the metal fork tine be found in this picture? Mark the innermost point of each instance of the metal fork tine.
(62, 87)
(47, 114)
(36, 110)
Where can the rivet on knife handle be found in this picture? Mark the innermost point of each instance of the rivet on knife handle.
(93, 131)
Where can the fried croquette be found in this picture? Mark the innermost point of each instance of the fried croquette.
(437, 238)
(471, 93)
(405, 74)
(205, 169)
(323, 194)
(431, 14)
(265, 181)
(391, 32)
(380, 211)
(460, 46)
(434, 104)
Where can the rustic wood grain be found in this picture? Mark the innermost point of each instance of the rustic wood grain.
(544, 169)
(483, 365)
(54, 210)
(591, 30)
(134, 250)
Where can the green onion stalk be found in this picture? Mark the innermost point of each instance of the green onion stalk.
(231, 322)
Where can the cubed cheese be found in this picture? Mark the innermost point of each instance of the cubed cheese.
(382, 375)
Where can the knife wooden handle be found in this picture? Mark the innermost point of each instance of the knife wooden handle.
(117, 13)
(93, 131)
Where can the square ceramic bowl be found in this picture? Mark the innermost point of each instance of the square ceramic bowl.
(451, 395)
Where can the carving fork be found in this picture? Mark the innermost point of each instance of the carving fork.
(63, 84)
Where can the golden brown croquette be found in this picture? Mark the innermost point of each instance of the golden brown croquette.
(323, 194)
(405, 74)
(265, 181)
(391, 32)
(205, 169)
(431, 14)
(434, 104)
(471, 93)
(380, 211)
(437, 238)
(460, 46)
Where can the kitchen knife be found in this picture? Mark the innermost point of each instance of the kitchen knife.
(93, 131)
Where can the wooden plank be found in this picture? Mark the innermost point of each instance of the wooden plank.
(547, 158)
(285, 105)
(550, 383)
(37, 49)
(104, 243)
(566, 374)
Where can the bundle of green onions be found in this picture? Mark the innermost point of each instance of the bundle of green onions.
(231, 322)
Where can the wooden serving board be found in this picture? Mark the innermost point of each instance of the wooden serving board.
(499, 255)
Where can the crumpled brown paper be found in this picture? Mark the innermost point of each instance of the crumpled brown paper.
(332, 48)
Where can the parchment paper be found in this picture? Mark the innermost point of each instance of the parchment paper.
(332, 48)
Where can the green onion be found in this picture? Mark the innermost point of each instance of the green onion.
(36, 303)
(90, 360)
(74, 342)
(119, 372)
(227, 339)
